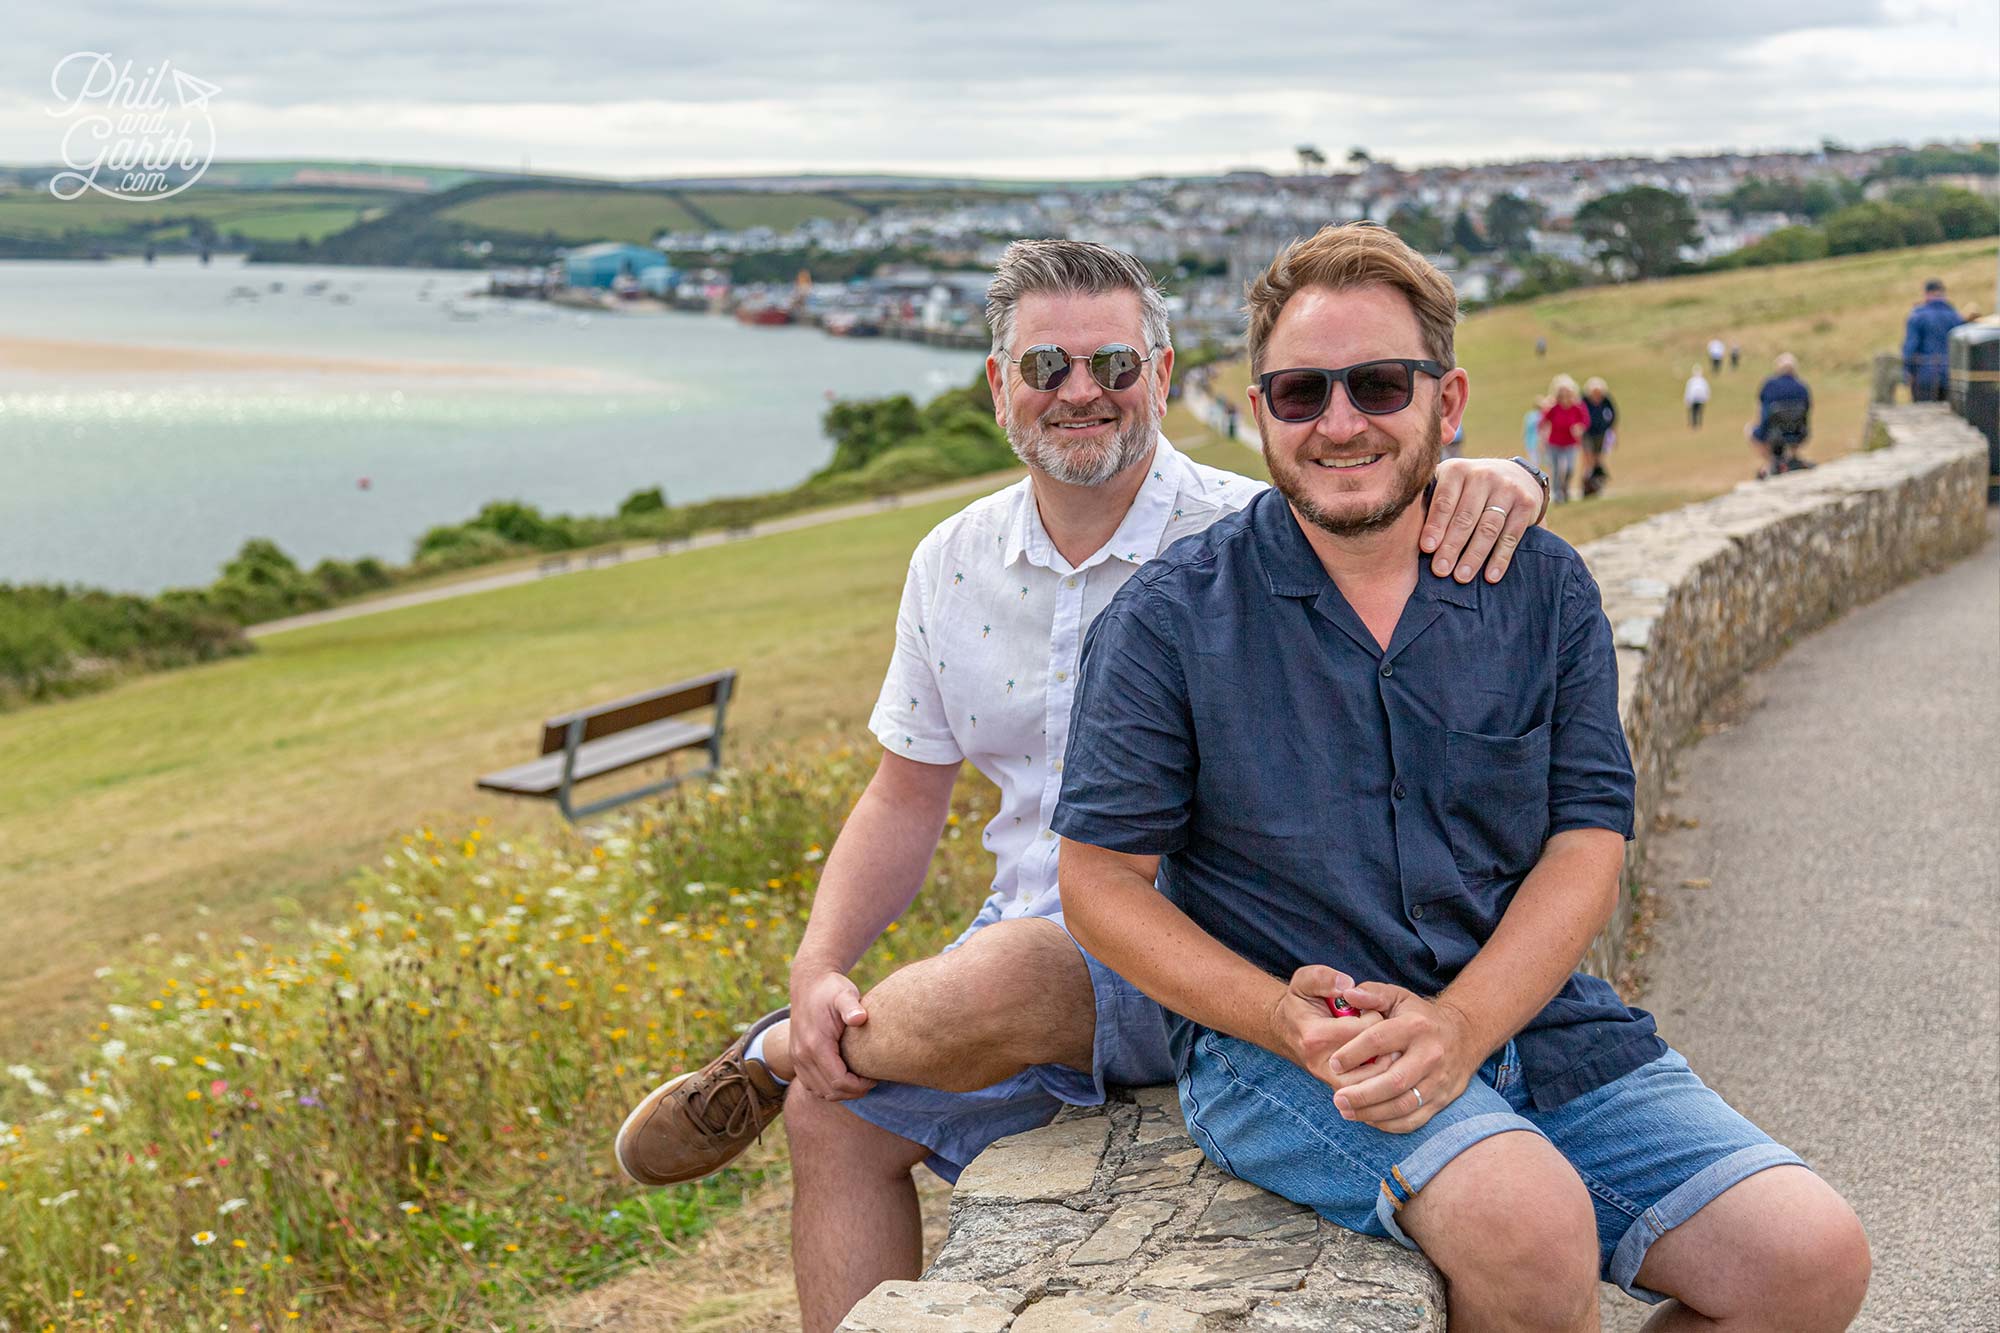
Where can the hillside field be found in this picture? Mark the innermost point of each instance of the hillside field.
(281, 215)
(206, 799)
(636, 216)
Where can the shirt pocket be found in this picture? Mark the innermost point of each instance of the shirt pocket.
(1497, 802)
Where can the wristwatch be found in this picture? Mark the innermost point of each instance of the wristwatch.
(1539, 476)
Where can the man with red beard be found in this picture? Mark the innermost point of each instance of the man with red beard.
(996, 1034)
(1300, 757)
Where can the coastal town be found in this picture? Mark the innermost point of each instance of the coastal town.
(1492, 227)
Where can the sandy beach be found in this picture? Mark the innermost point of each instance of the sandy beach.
(64, 356)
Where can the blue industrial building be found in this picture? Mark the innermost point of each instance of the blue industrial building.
(600, 265)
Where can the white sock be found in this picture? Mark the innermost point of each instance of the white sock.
(755, 1051)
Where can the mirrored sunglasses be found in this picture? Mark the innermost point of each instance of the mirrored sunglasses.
(1114, 366)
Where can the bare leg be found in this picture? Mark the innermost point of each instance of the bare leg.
(1016, 994)
(855, 1217)
(1510, 1225)
(1779, 1250)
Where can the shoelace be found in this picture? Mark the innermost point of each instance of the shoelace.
(740, 1112)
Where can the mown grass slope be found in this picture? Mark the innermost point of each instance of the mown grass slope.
(216, 796)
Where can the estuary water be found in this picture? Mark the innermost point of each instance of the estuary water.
(154, 417)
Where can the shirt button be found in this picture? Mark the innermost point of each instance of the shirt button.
(1062, 675)
(1417, 913)
(1397, 791)
(1048, 835)
(1070, 582)
(1387, 671)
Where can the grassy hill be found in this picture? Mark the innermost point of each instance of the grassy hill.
(1643, 339)
(30, 219)
(454, 1173)
(204, 798)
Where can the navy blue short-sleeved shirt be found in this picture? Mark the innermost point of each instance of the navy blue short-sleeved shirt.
(1316, 799)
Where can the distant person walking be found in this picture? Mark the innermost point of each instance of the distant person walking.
(1541, 347)
(1927, 344)
(1735, 355)
(1784, 419)
(1695, 395)
(1563, 424)
(1531, 434)
(1599, 434)
(1715, 352)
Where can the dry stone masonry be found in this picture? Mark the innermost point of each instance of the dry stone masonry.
(1109, 1220)
(1698, 596)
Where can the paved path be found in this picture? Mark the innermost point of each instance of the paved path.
(1839, 979)
(577, 562)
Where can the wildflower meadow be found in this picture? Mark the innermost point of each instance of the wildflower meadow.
(406, 1119)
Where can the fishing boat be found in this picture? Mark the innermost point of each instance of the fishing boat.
(764, 314)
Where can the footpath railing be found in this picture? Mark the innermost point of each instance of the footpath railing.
(1110, 1219)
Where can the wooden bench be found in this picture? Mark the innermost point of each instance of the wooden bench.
(577, 747)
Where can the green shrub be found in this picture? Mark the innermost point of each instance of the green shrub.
(1879, 225)
(1960, 215)
(461, 547)
(57, 640)
(642, 502)
(341, 580)
(1787, 245)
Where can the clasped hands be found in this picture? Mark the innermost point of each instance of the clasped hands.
(1393, 1065)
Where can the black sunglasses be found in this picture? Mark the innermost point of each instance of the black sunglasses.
(1114, 366)
(1376, 388)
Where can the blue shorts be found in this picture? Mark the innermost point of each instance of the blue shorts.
(1653, 1146)
(1129, 1050)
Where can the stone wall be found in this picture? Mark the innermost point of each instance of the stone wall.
(1698, 596)
(1110, 1219)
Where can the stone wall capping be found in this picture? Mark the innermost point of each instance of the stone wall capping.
(1108, 1220)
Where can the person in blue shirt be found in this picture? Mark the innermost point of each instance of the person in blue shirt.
(1927, 344)
(1304, 769)
(1784, 419)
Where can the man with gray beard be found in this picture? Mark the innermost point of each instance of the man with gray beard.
(993, 1036)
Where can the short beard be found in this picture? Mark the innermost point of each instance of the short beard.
(1415, 473)
(1042, 448)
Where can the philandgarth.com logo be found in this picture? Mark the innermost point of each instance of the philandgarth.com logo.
(130, 137)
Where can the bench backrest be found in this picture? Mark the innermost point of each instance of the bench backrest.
(637, 710)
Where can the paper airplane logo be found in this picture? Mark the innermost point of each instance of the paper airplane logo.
(128, 138)
(194, 93)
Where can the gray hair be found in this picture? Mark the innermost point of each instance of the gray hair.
(1070, 267)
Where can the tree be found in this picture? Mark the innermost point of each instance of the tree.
(1879, 225)
(1640, 231)
(1420, 228)
(650, 501)
(1543, 274)
(1960, 214)
(864, 428)
(1466, 237)
(1509, 219)
(1358, 157)
(1786, 245)
(1310, 159)
(1812, 199)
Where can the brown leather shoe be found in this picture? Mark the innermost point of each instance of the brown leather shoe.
(696, 1124)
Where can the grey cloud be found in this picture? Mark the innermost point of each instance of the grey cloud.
(902, 81)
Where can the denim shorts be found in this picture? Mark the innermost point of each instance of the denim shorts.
(1653, 1146)
(1128, 1050)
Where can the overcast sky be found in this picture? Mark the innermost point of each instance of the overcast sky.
(1023, 88)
